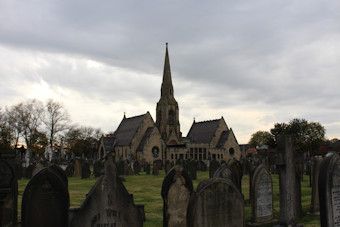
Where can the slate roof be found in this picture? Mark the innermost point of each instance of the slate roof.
(144, 139)
(223, 139)
(108, 143)
(203, 132)
(127, 129)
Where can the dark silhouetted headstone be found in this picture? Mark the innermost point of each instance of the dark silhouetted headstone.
(176, 190)
(329, 191)
(46, 200)
(98, 168)
(192, 170)
(201, 166)
(85, 170)
(108, 203)
(315, 171)
(217, 202)
(147, 168)
(8, 195)
(77, 168)
(136, 167)
(214, 165)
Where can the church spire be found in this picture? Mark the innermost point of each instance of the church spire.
(167, 88)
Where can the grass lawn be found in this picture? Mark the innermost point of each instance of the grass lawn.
(146, 189)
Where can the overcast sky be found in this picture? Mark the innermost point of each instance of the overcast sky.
(253, 62)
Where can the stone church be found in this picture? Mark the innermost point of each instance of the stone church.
(140, 138)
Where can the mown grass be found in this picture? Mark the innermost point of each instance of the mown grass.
(146, 189)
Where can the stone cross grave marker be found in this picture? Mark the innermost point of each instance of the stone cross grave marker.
(176, 190)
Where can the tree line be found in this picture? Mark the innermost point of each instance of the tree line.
(39, 124)
(308, 136)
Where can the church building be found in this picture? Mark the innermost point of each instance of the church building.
(140, 138)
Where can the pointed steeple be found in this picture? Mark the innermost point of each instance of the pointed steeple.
(167, 89)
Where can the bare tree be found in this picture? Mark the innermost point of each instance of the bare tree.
(26, 118)
(56, 119)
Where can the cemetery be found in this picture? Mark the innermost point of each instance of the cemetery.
(167, 196)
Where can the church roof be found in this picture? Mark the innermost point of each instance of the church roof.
(203, 132)
(223, 139)
(144, 139)
(127, 129)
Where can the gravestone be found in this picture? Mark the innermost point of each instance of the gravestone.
(176, 190)
(155, 169)
(108, 203)
(167, 166)
(329, 191)
(192, 170)
(98, 168)
(147, 168)
(214, 165)
(121, 167)
(69, 171)
(226, 172)
(46, 200)
(8, 195)
(85, 170)
(236, 168)
(288, 181)
(77, 168)
(136, 167)
(315, 171)
(262, 194)
(201, 166)
(217, 202)
(39, 166)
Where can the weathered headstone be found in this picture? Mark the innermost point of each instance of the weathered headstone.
(85, 170)
(201, 166)
(155, 169)
(77, 168)
(39, 166)
(98, 168)
(46, 200)
(167, 166)
(217, 202)
(214, 165)
(315, 171)
(147, 168)
(176, 190)
(69, 171)
(192, 170)
(262, 194)
(288, 181)
(8, 195)
(136, 167)
(121, 167)
(329, 191)
(226, 172)
(108, 203)
(236, 168)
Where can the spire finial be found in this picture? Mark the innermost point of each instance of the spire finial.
(124, 115)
